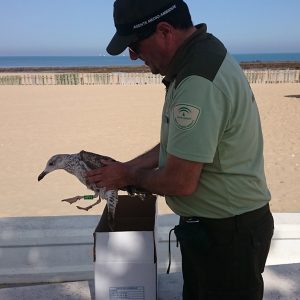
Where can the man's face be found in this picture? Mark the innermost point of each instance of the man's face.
(152, 51)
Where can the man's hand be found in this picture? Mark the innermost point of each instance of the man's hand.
(113, 175)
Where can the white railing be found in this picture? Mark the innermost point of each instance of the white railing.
(80, 79)
(53, 249)
(253, 76)
(273, 76)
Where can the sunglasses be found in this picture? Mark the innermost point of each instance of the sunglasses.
(135, 46)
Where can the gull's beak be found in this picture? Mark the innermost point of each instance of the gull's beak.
(42, 175)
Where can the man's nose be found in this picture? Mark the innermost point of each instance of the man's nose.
(133, 55)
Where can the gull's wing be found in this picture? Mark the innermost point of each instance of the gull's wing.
(93, 160)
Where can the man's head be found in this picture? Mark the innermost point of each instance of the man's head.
(137, 20)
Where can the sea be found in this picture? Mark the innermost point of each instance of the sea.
(106, 61)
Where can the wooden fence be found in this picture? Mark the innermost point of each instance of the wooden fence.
(254, 76)
(80, 79)
(273, 76)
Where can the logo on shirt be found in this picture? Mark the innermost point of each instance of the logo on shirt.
(185, 115)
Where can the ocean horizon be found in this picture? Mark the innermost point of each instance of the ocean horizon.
(106, 61)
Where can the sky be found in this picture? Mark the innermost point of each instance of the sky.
(85, 27)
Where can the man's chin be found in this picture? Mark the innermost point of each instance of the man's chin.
(154, 70)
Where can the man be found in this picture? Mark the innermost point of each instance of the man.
(209, 162)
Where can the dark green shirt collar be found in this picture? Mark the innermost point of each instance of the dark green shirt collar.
(179, 58)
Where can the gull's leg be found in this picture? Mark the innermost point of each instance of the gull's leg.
(92, 205)
(73, 199)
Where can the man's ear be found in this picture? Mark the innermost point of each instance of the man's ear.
(165, 29)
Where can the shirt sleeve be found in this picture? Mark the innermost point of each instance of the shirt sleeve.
(198, 116)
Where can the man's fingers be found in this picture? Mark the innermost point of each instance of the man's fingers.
(95, 179)
(106, 162)
(111, 174)
(91, 173)
(98, 171)
(94, 173)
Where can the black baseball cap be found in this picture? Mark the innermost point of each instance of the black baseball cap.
(137, 18)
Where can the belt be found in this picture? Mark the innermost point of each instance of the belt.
(244, 219)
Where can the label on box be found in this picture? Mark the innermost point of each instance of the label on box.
(126, 293)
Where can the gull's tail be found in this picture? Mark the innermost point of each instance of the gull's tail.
(112, 201)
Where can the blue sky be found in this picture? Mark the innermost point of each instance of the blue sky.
(80, 27)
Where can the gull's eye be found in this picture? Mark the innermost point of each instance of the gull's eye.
(51, 164)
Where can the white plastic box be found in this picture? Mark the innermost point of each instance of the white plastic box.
(125, 260)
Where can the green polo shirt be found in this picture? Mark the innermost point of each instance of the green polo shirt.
(210, 116)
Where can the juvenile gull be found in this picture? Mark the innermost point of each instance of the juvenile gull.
(79, 164)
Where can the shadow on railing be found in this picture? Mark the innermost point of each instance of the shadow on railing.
(52, 249)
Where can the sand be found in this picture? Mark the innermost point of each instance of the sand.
(119, 121)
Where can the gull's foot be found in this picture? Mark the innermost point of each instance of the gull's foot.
(84, 208)
(72, 200)
(90, 206)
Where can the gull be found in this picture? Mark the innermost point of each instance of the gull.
(79, 164)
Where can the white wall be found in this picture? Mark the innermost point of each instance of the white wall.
(50, 249)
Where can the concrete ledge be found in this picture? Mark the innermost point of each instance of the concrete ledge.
(51, 249)
(281, 283)
(46, 249)
(68, 290)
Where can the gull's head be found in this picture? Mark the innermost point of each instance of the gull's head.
(54, 163)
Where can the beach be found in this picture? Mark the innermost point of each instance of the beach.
(120, 121)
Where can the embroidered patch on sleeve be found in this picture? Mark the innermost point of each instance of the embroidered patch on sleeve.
(185, 115)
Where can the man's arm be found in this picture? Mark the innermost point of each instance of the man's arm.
(179, 177)
(148, 160)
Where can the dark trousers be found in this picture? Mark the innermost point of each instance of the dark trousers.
(224, 258)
